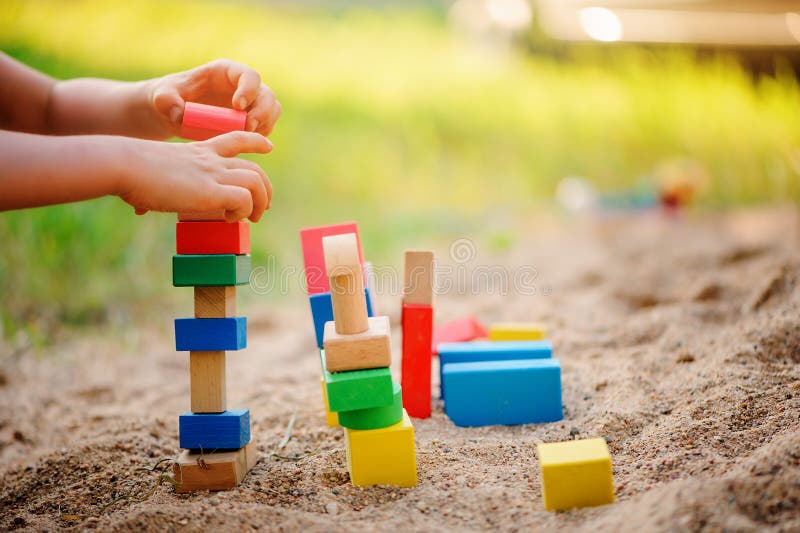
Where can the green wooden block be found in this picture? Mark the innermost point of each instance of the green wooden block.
(210, 270)
(375, 417)
(359, 389)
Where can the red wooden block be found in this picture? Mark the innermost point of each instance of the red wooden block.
(314, 258)
(416, 366)
(201, 121)
(213, 237)
(459, 330)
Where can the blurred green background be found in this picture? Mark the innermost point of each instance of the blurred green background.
(392, 119)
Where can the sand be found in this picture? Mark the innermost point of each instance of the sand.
(679, 341)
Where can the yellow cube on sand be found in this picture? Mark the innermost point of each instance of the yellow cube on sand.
(385, 456)
(331, 417)
(575, 473)
(517, 331)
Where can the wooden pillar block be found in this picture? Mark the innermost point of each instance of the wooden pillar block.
(207, 378)
(343, 266)
(417, 321)
(314, 255)
(419, 278)
(213, 471)
(215, 302)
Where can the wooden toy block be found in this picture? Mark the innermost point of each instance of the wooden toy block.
(503, 392)
(207, 381)
(385, 456)
(229, 430)
(202, 216)
(375, 417)
(347, 283)
(212, 237)
(360, 389)
(213, 471)
(330, 417)
(322, 312)
(201, 121)
(419, 274)
(314, 256)
(470, 352)
(417, 325)
(459, 330)
(370, 349)
(215, 302)
(209, 334)
(517, 331)
(210, 270)
(575, 473)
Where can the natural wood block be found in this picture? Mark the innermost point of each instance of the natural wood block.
(207, 379)
(314, 256)
(343, 265)
(215, 302)
(370, 349)
(419, 278)
(213, 471)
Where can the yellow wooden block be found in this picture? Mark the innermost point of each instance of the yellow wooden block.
(517, 331)
(385, 456)
(331, 417)
(575, 473)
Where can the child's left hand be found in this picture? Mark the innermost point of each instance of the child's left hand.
(223, 83)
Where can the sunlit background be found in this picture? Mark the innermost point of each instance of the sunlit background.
(423, 121)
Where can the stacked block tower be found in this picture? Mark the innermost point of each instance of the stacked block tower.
(357, 354)
(319, 290)
(417, 325)
(212, 257)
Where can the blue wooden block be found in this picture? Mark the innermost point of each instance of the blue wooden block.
(470, 352)
(215, 431)
(322, 311)
(487, 393)
(210, 334)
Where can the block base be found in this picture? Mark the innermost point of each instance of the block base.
(384, 456)
(213, 471)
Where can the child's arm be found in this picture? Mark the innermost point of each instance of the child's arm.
(33, 102)
(40, 170)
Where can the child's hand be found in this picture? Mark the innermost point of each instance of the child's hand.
(222, 83)
(199, 176)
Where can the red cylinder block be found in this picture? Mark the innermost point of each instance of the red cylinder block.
(201, 121)
(417, 323)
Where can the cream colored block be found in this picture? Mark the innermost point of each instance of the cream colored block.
(214, 302)
(370, 349)
(207, 381)
(213, 471)
(347, 283)
(419, 278)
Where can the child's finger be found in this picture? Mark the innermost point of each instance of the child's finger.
(237, 202)
(264, 113)
(235, 162)
(168, 102)
(240, 142)
(247, 82)
(251, 181)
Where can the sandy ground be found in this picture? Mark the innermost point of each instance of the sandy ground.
(680, 344)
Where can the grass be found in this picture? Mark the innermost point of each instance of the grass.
(391, 120)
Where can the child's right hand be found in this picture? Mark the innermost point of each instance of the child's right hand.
(199, 177)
